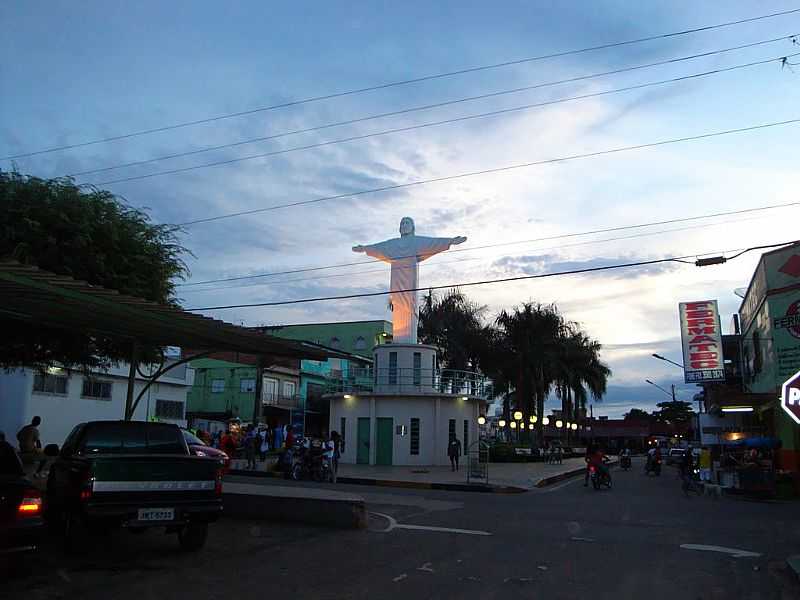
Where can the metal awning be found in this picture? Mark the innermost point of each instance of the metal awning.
(32, 295)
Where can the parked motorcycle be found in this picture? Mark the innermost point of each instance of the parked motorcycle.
(310, 462)
(653, 465)
(599, 478)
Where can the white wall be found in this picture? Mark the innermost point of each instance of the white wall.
(60, 413)
(433, 438)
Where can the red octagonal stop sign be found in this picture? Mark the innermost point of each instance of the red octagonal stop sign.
(790, 397)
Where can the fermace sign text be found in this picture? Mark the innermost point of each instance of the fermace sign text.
(701, 337)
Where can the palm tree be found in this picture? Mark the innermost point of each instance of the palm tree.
(581, 373)
(531, 339)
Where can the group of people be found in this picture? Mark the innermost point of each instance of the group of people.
(553, 454)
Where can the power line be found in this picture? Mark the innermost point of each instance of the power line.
(547, 161)
(402, 82)
(497, 245)
(493, 113)
(431, 106)
(681, 259)
(476, 258)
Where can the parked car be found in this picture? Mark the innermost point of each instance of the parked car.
(199, 448)
(134, 475)
(675, 455)
(21, 522)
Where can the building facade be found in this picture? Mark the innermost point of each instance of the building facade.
(769, 318)
(352, 337)
(225, 390)
(404, 410)
(65, 398)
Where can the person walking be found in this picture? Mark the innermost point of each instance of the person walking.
(336, 439)
(251, 443)
(227, 444)
(263, 442)
(454, 451)
(30, 446)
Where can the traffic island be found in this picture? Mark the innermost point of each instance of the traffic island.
(309, 506)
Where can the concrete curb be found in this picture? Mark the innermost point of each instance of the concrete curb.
(417, 485)
(545, 481)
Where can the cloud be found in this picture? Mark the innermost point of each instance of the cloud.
(550, 263)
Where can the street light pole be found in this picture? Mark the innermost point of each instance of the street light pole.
(659, 357)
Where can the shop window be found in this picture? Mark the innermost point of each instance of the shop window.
(247, 386)
(392, 368)
(757, 357)
(336, 343)
(169, 409)
(360, 344)
(50, 384)
(417, 368)
(414, 443)
(289, 389)
(342, 434)
(451, 430)
(466, 436)
(217, 386)
(96, 389)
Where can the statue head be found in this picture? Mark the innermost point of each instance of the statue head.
(406, 226)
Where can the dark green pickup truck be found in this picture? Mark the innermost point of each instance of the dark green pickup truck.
(135, 475)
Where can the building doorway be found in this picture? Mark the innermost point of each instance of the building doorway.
(384, 440)
(362, 441)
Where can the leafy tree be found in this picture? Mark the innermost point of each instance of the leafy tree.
(90, 235)
(637, 414)
(674, 412)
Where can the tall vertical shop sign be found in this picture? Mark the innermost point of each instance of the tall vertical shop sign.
(701, 338)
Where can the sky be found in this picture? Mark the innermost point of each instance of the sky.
(75, 72)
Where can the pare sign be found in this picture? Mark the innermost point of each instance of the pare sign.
(701, 337)
(790, 397)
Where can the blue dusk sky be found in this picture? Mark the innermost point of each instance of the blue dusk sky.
(78, 71)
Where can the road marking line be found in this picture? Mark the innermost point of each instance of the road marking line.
(734, 552)
(400, 578)
(581, 539)
(393, 524)
(426, 567)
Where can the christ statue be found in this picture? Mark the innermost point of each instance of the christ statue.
(404, 254)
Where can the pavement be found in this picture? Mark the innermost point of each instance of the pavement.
(503, 477)
(641, 539)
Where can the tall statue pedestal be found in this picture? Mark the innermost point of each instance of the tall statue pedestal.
(404, 368)
(404, 410)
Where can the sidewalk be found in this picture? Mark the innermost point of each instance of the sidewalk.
(503, 477)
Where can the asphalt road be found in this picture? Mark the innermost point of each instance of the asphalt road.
(566, 541)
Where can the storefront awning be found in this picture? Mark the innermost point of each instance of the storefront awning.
(31, 295)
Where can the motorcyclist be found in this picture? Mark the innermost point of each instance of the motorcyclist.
(625, 456)
(595, 457)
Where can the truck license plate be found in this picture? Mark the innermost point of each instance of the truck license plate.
(156, 514)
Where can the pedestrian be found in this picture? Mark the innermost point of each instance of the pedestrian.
(251, 442)
(227, 444)
(336, 439)
(454, 451)
(551, 458)
(560, 454)
(263, 446)
(30, 446)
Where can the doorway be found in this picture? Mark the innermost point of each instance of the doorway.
(384, 440)
(362, 441)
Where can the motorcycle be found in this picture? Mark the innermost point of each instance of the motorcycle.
(625, 463)
(599, 478)
(653, 465)
(310, 462)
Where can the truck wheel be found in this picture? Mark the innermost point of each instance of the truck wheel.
(192, 537)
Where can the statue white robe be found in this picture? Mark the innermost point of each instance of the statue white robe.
(404, 254)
